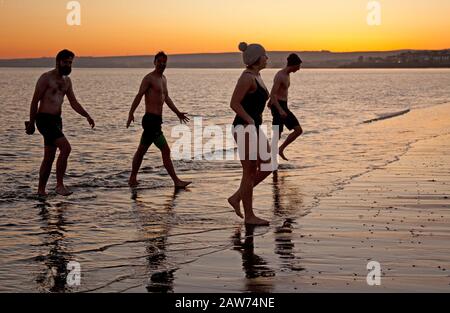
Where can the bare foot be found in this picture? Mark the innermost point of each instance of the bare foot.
(234, 202)
(63, 191)
(281, 153)
(42, 194)
(133, 183)
(182, 184)
(256, 221)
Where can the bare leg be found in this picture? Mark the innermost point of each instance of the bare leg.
(165, 151)
(290, 139)
(137, 162)
(235, 199)
(46, 168)
(260, 176)
(61, 165)
(246, 191)
(250, 175)
(246, 187)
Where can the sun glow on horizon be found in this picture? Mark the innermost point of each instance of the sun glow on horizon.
(141, 27)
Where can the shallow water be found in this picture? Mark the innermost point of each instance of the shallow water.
(143, 240)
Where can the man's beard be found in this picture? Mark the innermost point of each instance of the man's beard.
(65, 70)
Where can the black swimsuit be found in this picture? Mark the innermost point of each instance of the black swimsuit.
(254, 104)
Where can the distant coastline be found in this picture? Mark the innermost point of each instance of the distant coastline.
(409, 59)
(312, 59)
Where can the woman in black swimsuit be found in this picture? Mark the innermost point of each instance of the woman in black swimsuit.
(248, 101)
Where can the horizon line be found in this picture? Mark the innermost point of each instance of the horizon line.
(236, 52)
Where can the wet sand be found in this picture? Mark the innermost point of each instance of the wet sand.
(397, 214)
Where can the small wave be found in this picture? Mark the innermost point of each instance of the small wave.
(119, 184)
(22, 194)
(311, 132)
(387, 116)
(286, 166)
(221, 153)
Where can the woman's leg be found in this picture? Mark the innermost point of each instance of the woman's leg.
(261, 174)
(249, 179)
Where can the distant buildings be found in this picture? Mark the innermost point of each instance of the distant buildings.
(427, 58)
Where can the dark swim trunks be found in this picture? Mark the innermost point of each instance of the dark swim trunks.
(50, 126)
(290, 121)
(151, 123)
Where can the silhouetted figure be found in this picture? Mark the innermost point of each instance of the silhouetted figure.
(154, 88)
(45, 112)
(249, 101)
(282, 116)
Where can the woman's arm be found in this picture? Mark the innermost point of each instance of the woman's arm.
(243, 85)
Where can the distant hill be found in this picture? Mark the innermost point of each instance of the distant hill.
(312, 59)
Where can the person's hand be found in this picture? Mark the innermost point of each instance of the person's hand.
(90, 121)
(251, 122)
(183, 117)
(283, 113)
(29, 128)
(130, 119)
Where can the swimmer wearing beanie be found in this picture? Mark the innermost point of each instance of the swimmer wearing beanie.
(248, 102)
(252, 53)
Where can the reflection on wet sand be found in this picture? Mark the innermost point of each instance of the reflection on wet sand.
(287, 202)
(255, 267)
(161, 275)
(288, 205)
(53, 277)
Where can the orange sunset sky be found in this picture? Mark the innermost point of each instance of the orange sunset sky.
(31, 28)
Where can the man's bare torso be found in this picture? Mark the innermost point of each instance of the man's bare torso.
(53, 96)
(156, 94)
(285, 82)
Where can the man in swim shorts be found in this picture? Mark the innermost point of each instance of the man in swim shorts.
(45, 112)
(278, 103)
(154, 88)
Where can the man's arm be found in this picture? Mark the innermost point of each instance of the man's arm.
(181, 115)
(145, 85)
(39, 92)
(77, 106)
(273, 95)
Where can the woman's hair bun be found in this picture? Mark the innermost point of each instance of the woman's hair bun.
(243, 46)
